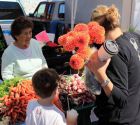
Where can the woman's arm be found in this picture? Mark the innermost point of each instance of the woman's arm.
(7, 66)
(43, 60)
(44, 63)
(116, 92)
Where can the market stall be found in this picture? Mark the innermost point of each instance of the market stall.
(73, 94)
(74, 49)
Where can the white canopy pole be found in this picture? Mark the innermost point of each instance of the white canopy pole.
(75, 9)
(72, 13)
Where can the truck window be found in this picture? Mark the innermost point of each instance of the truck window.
(50, 9)
(44, 11)
(61, 11)
(10, 10)
(40, 11)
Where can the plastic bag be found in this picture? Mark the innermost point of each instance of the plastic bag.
(91, 82)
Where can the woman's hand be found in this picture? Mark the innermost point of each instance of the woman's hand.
(98, 67)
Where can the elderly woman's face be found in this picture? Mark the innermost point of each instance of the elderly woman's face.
(24, 38)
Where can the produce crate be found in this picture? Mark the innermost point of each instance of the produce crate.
(83, 110)
(84, 114)
(57, 58)
(74, 94)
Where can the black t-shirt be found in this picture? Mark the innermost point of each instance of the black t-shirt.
(122, 107)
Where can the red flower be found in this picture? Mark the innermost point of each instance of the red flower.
(76, 62)
(69, 45)
(85, 53)
(92, 25)
(72, 33)
(96, 32)
(82, 40)
(99, 38)
(79, 39)
(81, 27)
(62, 39)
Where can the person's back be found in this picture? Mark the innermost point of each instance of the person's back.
(42, 111)
(119, 102)
(44, 115)
(130, 50)
(122, 107)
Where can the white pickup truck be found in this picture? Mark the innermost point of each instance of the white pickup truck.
(9, 10)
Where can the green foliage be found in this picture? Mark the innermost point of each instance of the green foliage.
(5, 85)
(132, 28)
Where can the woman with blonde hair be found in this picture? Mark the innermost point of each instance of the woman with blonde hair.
(119, 101)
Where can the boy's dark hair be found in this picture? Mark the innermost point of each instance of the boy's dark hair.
(20, 24)
(45, 81)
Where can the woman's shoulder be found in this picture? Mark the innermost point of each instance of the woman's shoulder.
(128, 44)
(131, 35)
(124, 40)
(9, 49)
(34, 42)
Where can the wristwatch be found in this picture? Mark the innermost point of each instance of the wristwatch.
(105, 83)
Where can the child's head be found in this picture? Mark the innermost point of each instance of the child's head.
(45, 82)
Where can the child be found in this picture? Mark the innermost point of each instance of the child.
(42, 111)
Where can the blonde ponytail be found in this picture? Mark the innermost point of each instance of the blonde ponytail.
(108, 17)
(112, 15)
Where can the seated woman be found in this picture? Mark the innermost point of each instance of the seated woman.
(24, 56)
